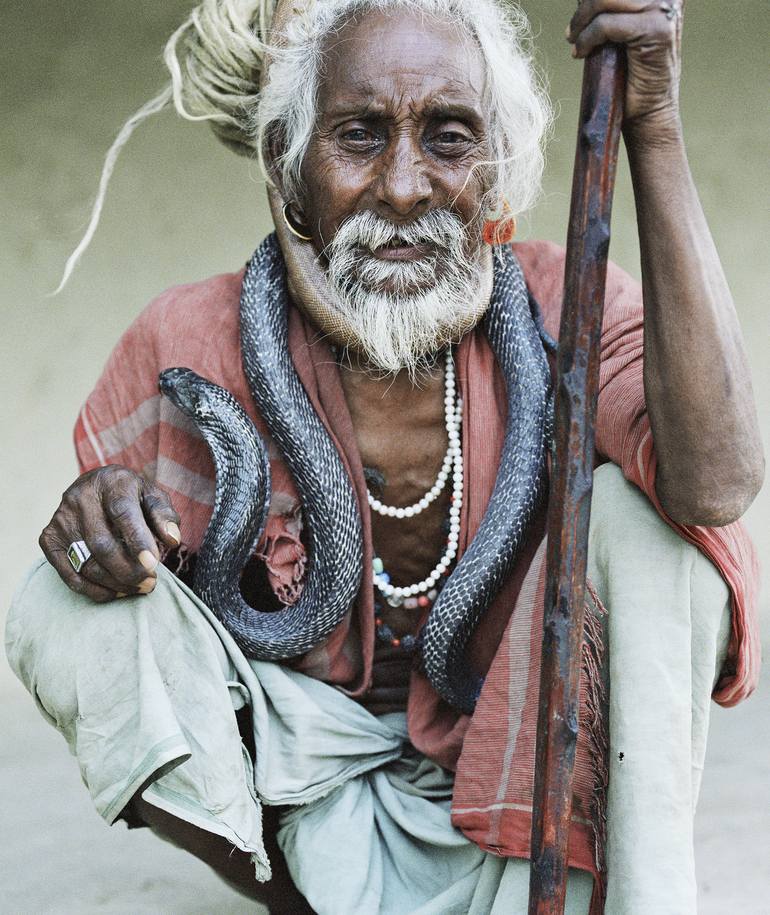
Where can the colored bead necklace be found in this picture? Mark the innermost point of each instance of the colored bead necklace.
(407, 642)
(395, 595)
(422, 595)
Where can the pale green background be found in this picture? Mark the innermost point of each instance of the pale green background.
(181, 208)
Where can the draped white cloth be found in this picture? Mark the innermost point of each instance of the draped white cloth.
(146, 688)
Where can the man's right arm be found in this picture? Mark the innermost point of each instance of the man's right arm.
(113, 506)
(135, 449)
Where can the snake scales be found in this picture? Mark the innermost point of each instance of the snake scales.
(330, 511)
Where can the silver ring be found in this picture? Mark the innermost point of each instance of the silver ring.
(78, 554)
(672, 10)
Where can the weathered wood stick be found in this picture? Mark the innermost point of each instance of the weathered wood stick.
(569, 508)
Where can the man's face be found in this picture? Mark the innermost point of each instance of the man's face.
(400, 125)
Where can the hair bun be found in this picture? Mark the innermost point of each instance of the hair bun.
(216, 60)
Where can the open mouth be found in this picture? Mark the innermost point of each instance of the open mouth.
(399, 250)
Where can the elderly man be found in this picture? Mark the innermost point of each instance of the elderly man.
(402, 137)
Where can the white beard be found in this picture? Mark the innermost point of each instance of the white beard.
(401, 327)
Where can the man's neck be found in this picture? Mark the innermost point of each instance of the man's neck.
(362, 374)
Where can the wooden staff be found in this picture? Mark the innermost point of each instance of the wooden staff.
(577, 384)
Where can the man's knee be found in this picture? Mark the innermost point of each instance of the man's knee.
(50, 634)
(56, 639)
(637, 557)
(623, 519)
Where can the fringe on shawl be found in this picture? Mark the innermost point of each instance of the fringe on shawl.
(177, 559)
(595, 722)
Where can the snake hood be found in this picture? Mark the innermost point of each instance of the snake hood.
(330, 509)
(182, 387)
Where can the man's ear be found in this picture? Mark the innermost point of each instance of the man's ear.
(274, 148)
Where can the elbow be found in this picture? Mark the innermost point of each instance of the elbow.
(710, 502)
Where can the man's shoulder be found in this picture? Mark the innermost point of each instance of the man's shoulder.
(543, 265)
(539, 256)
(197, 303)
(194, 324)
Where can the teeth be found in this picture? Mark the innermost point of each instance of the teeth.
(393, 243)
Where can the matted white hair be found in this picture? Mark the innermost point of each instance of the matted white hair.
(216, 59)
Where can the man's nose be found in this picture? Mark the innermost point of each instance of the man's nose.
(404, 188)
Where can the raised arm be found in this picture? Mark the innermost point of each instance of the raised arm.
(696, 376)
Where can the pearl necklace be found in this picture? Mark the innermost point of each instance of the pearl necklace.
(452, 415)
(453, 460)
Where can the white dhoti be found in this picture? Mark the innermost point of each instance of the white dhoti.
(144, 690)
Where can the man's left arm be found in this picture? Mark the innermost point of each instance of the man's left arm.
(696, 377)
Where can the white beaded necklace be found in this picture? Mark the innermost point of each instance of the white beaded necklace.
(452, 423)
(453, 462)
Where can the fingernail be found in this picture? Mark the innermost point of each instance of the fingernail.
(574, 52)
(173, 531)
(148, 560)
(121, 594)
(146, 586)
(567, 33)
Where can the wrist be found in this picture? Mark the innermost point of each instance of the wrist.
(654, 130)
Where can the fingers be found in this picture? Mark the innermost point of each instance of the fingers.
(127, 529)
(112, 565)
(589, 9)
(160, 514)
(57, 556)
(622, 28)
(115, 529)
(95, 573)
(622, 21)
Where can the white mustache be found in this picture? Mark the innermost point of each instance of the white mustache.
(438, 228)
(441, 232)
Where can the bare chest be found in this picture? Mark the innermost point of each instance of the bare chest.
(402, 441)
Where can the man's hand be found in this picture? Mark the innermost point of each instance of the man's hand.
(120, 516)
(651, 30)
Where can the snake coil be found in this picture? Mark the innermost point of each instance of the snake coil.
(330, 510)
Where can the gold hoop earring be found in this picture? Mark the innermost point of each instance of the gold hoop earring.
(291, 228)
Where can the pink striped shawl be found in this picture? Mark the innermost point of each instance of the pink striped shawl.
(125, 421)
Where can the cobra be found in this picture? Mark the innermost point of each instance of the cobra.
(330, 511)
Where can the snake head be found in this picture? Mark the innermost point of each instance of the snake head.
(186, 390)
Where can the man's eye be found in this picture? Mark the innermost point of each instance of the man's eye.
(359, 136)
(450, 138)
(450, 143)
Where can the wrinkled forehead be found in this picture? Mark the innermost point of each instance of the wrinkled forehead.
(391, 60)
